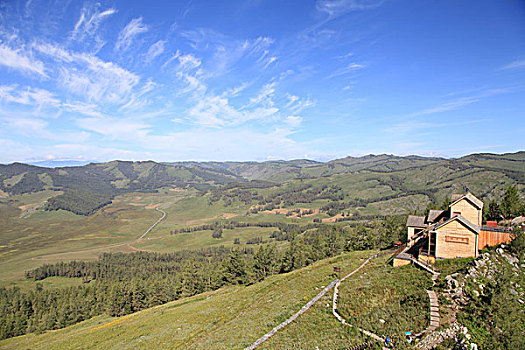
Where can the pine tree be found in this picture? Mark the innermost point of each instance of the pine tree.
(511, 203)
(234, 268)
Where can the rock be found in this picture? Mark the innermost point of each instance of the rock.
(381, 320)
(513, 291)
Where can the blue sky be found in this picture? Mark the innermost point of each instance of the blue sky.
(260, 80)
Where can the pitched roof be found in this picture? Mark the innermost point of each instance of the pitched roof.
(476, 229)
(416, 221)
(470, 197)
(433, 215)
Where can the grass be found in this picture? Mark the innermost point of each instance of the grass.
(48, 237)
(48, 283)
(234, 317)
(381, 292)
(200, 239)
(230, 318)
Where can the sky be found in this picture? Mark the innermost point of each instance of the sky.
(260, 79)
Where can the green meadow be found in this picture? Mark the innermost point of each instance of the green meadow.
(229, 318)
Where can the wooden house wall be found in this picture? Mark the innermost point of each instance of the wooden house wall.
(455, 240)
(468, 211)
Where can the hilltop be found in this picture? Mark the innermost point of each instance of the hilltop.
(85, 189)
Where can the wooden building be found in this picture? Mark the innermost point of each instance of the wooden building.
(453, 233)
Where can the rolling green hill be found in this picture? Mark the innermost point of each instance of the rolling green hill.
(252, 204)
(233, 317)
(87, 188)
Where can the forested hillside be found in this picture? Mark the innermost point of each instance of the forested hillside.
(351, 182)
(90, 187)
(119, 284)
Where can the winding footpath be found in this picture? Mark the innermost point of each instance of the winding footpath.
(336, 293)
(297, 314)
(308, 305)
(434, 308)
(155, 224)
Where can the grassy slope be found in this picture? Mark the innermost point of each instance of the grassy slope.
(233, 317)
(48, 237)
(40, 237)
(50, 233)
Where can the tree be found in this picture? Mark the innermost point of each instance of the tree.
(217, 232)
(445, 204)
(264, 261)
(493, 211)
(234, 268)
(511, 204)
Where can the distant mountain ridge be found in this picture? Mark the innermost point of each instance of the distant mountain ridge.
(89, 187)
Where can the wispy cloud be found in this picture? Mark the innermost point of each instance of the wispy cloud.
(155, 50)
(99, 81)
(115, 128)
(27, 96)
(349, 68)
(89, 21)
(336, 8)
(20, 60)
(519, 64)
(414, 125)
(128, 34)
(447, 106)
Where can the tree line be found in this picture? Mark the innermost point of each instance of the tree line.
(118, 284)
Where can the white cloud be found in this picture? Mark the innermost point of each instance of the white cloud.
(215, 111)
(16, 59)
(115, 128)
(27, 96)
(88, 109)
(233, 92)
(447, 106)
(515, 65)
(335, 8)
(55, 52)
(155, 50)
(98, 81)
(293, 121)
(188, 62)
(89, 76)
(350, 68)
(128, 34)
(265, 95)
(89, 21)
(38, 128)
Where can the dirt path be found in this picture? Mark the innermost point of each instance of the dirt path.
(126, 244)
(334, 303)
(155, 224)
(308, 305)
(434, 308)
(291, 319)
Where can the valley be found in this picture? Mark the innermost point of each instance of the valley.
(312, 215)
